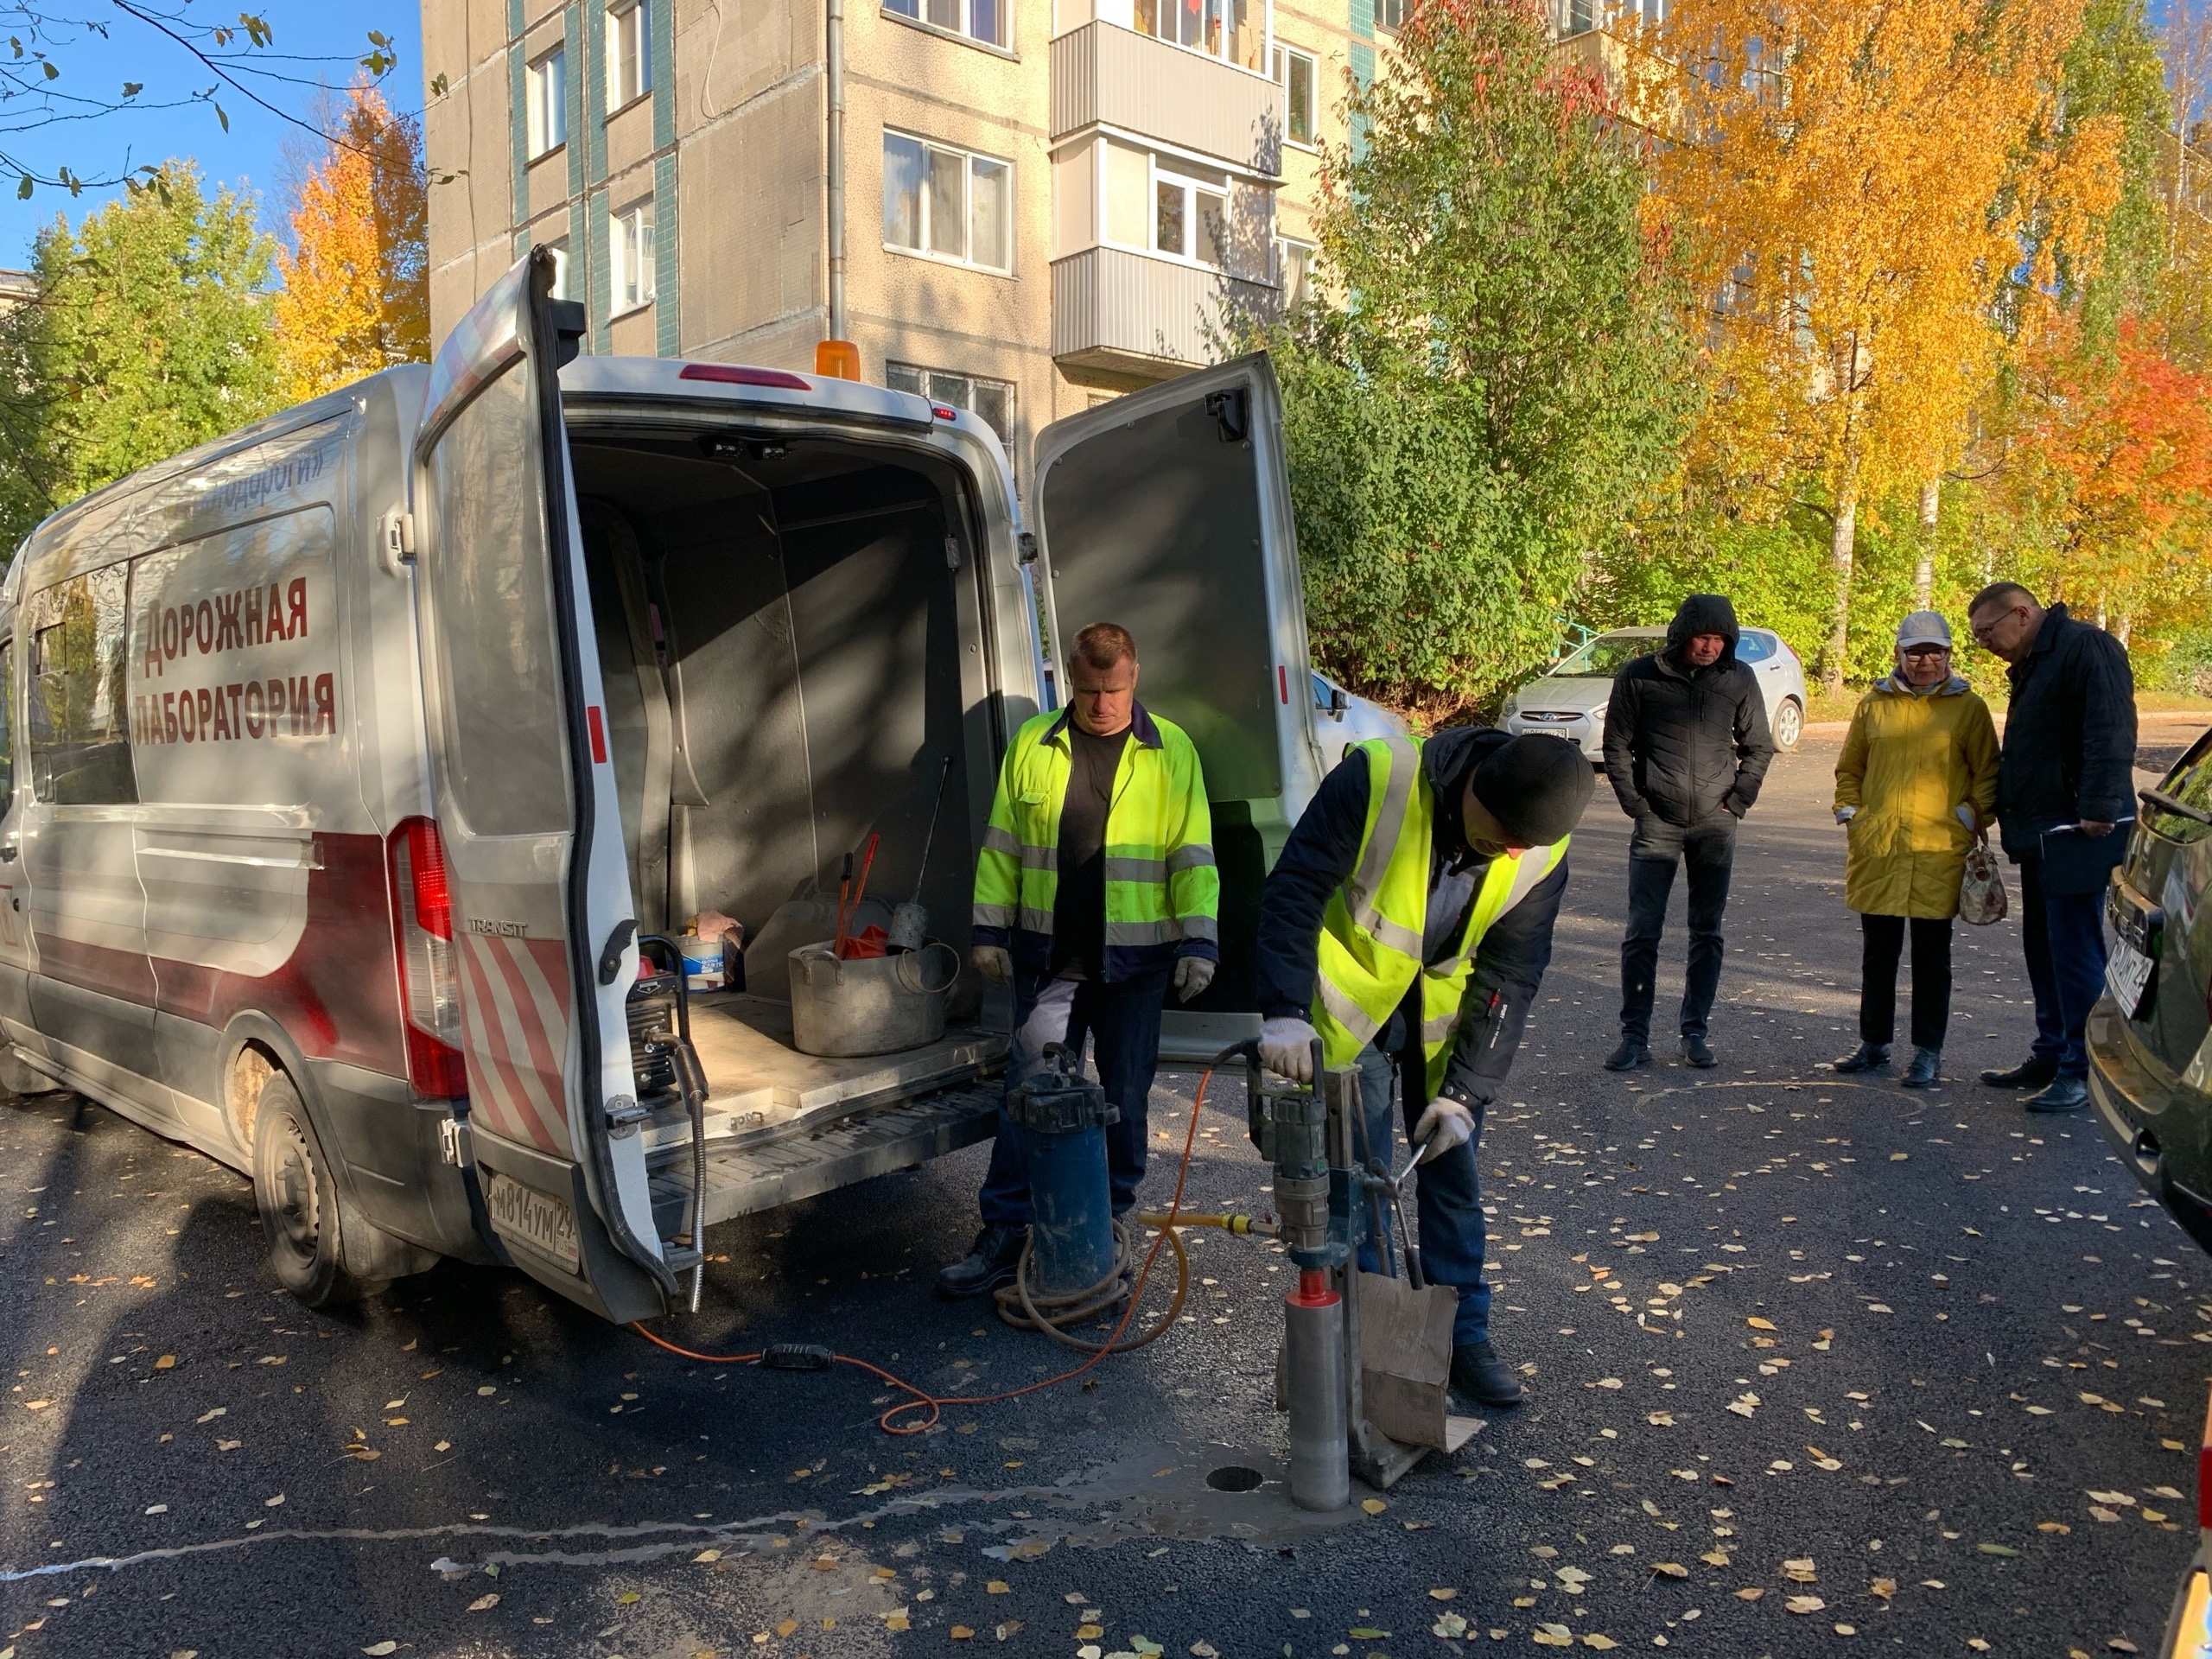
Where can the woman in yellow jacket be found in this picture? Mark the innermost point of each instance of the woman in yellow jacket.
(1914, 790)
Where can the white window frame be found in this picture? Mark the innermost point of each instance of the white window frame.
(630, 255)
(1403, 9)
(546, 117)
(619, 15)
(923, 382)
(970, 159)
(1161, 168)
(917, 13)
(1284, 247)
(1281, 58)
(1264, 23)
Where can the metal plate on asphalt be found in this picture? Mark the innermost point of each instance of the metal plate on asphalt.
(537, 1218)
(2127, 976)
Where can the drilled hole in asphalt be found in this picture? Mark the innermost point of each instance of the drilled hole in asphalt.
(1234, 1477)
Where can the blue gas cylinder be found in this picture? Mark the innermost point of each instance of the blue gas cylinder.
(1062, 1117)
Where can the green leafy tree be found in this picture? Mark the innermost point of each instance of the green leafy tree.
(150, 332)
(1504, 376)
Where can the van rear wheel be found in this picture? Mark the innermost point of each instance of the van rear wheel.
(301, 1211)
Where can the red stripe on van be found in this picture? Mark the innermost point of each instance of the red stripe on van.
(1282, 679)
(494, 1087)
(598, 734)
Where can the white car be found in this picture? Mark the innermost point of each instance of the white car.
(1355, 718)
(1569, 699)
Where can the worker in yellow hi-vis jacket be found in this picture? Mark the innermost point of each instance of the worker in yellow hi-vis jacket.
(1096, 886)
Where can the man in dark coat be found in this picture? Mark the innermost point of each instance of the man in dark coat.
(1686, 749)
(2065, 782)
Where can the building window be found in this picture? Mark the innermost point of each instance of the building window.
(1294, 74)
(560, 253)
(1392, 14)
(546, 92)
(1295, 271)
(979, 20)
(1165, 205)
(993, 400)
(1220, 28)
(629, 52)
(947, 204)
(630, 257)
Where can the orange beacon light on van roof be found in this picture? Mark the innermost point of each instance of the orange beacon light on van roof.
(837, 359)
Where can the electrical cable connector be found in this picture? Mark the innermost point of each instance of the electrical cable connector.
(797, 1357)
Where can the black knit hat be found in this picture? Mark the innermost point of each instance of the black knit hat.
(1536, 785)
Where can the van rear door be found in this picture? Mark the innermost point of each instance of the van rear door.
(541, 913)
(1168, 511)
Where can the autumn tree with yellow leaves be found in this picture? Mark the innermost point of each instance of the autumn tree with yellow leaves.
(356, 295)
(1874, 197)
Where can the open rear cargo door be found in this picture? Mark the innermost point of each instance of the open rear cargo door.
(1168, 511)
(542, 919)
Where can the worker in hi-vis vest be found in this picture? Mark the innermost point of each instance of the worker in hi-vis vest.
(1407, 927)
(1096, 886)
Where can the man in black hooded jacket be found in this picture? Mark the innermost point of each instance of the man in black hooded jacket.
(1686, 749)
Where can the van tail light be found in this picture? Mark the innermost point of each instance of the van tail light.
(429, 987)
(2204, 1476)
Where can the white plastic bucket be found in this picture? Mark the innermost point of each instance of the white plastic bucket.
(702, 962)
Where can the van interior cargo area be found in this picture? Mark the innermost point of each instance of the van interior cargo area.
(792, 641)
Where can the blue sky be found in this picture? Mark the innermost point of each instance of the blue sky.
(250, 152)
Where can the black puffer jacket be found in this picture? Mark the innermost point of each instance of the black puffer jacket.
(2069, 734)
(1686, 744)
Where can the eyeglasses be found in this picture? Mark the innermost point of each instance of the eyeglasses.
(1983, 629)
(1927, 650)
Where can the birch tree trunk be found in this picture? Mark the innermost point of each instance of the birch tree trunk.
(1842, 542)
(1923, 573)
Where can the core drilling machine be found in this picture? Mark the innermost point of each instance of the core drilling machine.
(1329, 1199)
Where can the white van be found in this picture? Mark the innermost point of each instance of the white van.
(348, 758)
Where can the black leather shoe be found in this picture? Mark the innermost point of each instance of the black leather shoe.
(1632, 1052)
(1697, 1052)
(1926, 1071)
(1867, 1057)
(2064, 1094)
(2030, 1073)
(992, 1263)
(1478, 1373)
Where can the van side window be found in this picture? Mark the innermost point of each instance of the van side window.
(79, 718)
(2190, 783)
(506, 754)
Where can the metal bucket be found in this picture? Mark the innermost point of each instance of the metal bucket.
(868, 1005)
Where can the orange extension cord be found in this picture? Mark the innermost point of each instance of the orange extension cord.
(935, 1404)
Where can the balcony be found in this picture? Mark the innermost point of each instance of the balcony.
(1106, 75)
(1132, 313)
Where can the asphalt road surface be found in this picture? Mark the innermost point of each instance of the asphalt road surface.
(1813, 1365)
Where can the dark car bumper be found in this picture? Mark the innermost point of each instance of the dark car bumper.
(2151, 1125)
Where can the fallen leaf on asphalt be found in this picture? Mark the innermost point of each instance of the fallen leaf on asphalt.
(1089, 1632)
(707, 1555)
(2058, 1526)
(166, 1362)
(1847, 1630)
(1204, 1650)
(1758, 1324)
(961, 1632)
(1799, 1571)
(1803, 1605)
(1932, 1584)
(1997, 1549)
(1744, 1404)
(1883, 1587)
(1661, 1419)
(997, 1588)
(381, 1648)
(1672, 1569)
(1552, 1636)
(37, 1405)
(1609, 1382)
(1005, 1629)
(1714, 1558)
(1368, 1633)
(783, 1629)
(898, 1621)
(271, 1503)
(1442, 1594)
(1750, 1592)
(1450, 1626)
(484, 1604)
(1593, 1640)
(1373, 1505)
(210, 1416)
(2121, 1645)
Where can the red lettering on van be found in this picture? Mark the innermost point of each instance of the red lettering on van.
(255, 704)
(296, 627)
(228, 634)
(276, 704)
(232, 692)
(253, 616)
(203, 623)
(186, 727)
(168, 634)
(168, 717)
(296, 696)
(200, 698)
(325, 704)
(276, 614)
(224, 729)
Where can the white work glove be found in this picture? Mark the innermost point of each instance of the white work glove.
(1845, 814)
(1192, 975)
(1445, 1125)
(1286, 1048)
(1965, 809)
(993, 963)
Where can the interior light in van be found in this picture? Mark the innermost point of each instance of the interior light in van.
(422, 928)
(737, 374)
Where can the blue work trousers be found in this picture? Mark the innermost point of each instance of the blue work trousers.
(1120, 1020)
(2062, 935)
(1448, 1198)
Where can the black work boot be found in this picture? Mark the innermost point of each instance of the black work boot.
(1867, 1057)
(1478, 1373)
(1698, 1052)
(993, 1261)
(2032, 1073)
(1926, 1071)
(1633, 1053)
(2064, 1094)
